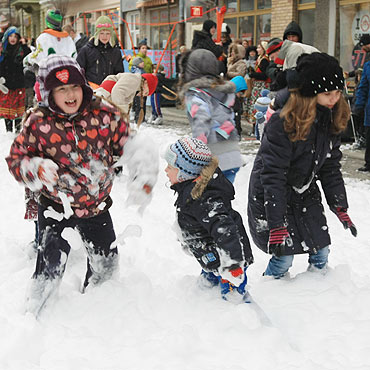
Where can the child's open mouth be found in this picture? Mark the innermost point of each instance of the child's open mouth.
(70, 103)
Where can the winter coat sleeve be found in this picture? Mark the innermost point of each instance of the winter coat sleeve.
(276, 152)
(212, 213)
(82, 58)
(362, 91)
(331, 178)
(260, 75)
(237, 69)
(117, 61)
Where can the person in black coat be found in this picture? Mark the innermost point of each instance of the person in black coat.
(203, 39)
(101, 56)
(301, 144)
(210, 229)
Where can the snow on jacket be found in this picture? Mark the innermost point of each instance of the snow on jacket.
(100, 61)
(363, 93)
(208, 223)
(52, 42)
(203, 40)
(83, 148)
(236, 66)
(283, 189)
(120, 89)
(209, 106)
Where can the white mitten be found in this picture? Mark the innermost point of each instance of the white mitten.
(3, 88)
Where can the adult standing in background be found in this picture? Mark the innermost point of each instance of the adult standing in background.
(140, 102)
(78, 38)
(363, 104)
(293, 32)
(101, 56)
(12, 104)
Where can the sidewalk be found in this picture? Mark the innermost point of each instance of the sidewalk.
(351, 161)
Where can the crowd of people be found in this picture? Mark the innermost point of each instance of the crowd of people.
(68, 145)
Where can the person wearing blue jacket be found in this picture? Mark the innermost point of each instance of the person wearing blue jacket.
(363, 104)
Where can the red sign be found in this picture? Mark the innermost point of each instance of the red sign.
(196, 11)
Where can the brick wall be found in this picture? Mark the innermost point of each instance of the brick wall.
(282, 13)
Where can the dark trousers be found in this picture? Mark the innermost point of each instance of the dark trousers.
(97, 234)
(136, 107)
(367, 150)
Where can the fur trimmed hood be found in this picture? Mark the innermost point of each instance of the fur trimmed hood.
(217, 85)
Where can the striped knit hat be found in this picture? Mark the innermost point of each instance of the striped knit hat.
(54, 20)
(189, 156)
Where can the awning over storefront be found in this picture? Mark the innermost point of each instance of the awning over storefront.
(28, 6)
(151, 3)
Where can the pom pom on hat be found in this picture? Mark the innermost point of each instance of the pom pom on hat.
(136, 61)
(263, 102)
(104, 23)
(152, 81)
(54, 20)
(316, 73)
(142, 42)
(239, 83)
(273, 45)
(189, 155)
(365, 39)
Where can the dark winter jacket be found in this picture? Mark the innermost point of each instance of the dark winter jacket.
(283, 189)
(203, 40)
(208, 223)
(81, 42)
(83, 148)
(100, 61)
(11, 68)
(363, 93)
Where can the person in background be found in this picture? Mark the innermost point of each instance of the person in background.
(240, 88)
(203, 39)
(209, 104)
(236, 65)
(155, 99)
(12, 104)
(51, 41)
(293, 32)
(362, 105)
(225, 43)
(300, 146)
(101, 56)
(137, 65)
(182, 51)
(209, 228)
(251, 56)
(78, 38)
(148, 68)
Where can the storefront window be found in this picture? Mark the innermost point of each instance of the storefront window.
(306, 20)
(264, 4)
(306, 1)
(246, 5)
(231, 6)
(246, 29)
(159, 34)
(354, 22)
(263, 28)
(231, 22)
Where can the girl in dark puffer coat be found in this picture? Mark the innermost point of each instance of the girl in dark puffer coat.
(210, 229)
(300, 146)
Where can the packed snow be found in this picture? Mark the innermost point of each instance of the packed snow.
(154, 315)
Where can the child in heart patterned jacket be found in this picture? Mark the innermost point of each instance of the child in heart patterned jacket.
(66, 151)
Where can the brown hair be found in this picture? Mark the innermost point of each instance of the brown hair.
(299, 113)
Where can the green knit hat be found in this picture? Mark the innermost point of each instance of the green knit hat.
(54, 20)
(104, 23)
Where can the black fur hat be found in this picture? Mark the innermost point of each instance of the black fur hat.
(316, 73)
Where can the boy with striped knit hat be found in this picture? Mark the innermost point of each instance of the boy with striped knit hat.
(210, 229)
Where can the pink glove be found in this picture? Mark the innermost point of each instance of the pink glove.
(203, 138)
(225, 129)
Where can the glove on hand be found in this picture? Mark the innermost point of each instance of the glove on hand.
(47, 173)
(279, 237)
(3, 88)
(344, 219)
(203, 138)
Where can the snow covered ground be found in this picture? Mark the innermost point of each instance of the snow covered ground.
(155, 317)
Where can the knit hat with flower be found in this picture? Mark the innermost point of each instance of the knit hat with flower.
(104, 23)
(190, 156)
(54, 20)
(316, 73)
(58, 70)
